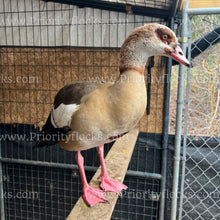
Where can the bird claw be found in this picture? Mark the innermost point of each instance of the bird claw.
(110, 185)
(92, 196)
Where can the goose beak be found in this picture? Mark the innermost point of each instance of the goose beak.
(178, 55)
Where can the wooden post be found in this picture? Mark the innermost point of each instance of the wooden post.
(116, 162)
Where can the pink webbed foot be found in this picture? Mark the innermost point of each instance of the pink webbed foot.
(92, 196)
(110, 185)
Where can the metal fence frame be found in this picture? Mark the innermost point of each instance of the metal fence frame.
(185, 36)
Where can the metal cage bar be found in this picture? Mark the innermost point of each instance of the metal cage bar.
(183, 159)
(2, 207)
(179, 114)
(202, 11)
(165, 134)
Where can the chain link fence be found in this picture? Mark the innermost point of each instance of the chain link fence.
(200, 193)
(204, 93)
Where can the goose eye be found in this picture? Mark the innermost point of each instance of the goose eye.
(164, 37)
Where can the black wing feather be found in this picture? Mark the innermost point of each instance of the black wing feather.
(69, 94)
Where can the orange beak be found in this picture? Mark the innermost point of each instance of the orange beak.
(178, 55)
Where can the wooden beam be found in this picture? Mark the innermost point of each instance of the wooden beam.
(116, 162)
(200, 4)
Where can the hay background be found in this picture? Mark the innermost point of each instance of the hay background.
(51, 69)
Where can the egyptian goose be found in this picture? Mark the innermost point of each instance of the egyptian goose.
(89, 114)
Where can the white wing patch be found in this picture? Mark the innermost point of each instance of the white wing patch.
(62, 115)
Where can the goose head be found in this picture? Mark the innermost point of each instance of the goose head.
(150, 40)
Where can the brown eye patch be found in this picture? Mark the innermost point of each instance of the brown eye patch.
(165, 36)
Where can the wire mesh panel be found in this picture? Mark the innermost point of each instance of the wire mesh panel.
(44, 46)
(201, 184)
(201, 189)
(140, 201)
(153, 4)
(33, 192)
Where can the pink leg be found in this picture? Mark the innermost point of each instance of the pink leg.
(106, 183)
(90, 195)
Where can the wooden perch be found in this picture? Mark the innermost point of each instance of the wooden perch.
(116, 162)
